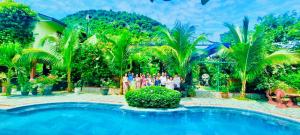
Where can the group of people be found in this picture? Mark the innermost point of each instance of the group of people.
(136, 81)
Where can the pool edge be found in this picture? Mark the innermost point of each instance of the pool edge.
(186, 106)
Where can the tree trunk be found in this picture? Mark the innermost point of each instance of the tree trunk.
(243, 91)
(69, 89)
(7, 89)
(4, 89)
(121, 85)
(33, 71)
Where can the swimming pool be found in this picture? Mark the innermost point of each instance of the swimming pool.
(104, 119)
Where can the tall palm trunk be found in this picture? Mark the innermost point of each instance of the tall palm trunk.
(33, 70)
(243, 91)
(69, 89)
(7, 89)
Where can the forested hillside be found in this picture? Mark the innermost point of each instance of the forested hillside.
(109, 22)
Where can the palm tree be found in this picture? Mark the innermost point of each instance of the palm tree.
(10, 53)
(69, 42)
(249, 52)
(119, 55)
(64, 50)
(180, 53)
(32, 56)
(15, 58)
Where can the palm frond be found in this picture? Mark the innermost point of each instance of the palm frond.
(245, 29)
(235, 31)
(46, 39)
(39, 55)
(282, 57)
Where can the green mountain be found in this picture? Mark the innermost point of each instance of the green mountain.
(143, 28)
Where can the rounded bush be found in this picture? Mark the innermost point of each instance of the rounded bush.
(153, 97)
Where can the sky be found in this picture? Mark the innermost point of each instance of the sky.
(208, 19)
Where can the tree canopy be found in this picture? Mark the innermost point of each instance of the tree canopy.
(17, 22)
(143, 29)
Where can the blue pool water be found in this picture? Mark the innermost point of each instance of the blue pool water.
(101, 119)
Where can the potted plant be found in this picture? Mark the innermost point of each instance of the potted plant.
(34, 87)
(105, 86)
(113, 88)
(77, 88)
(46, 84)
(3, 82)
(23, 84)
(25, 89)
(224, 92)
(6, 88)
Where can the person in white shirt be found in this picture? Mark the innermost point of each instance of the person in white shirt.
(163, 79)
(170, 83)
(177, 82)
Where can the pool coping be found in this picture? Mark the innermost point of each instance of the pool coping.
(249, 110)
(155, 110)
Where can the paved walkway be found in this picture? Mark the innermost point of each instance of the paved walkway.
(17, 101)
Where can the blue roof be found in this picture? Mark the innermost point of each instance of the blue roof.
(215, 47)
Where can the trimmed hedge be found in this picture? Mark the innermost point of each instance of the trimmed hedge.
(153, 97)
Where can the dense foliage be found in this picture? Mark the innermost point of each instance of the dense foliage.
(282, 33)
(100, 46)
(17, 22)
(144, 29)
(90, 65)
(153, 97)
(280, 29)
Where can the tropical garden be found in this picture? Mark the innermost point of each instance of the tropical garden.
(98, 47)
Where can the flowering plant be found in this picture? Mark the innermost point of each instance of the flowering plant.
(47, 80)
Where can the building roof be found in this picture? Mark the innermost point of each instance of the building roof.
(48, 18)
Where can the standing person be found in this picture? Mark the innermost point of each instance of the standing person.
(163, 79)
(153, 80)
(125, 83)
(170, 83)
(144, 81)
(137, 81)
(157, 81)
(130, 78)
(132, 83)
(177, 81)
(158, 75)
(149, 81)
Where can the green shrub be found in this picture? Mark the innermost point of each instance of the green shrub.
(292, 79)
(153, 97)
(191, 91)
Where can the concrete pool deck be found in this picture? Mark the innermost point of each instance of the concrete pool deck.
(264, 107)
